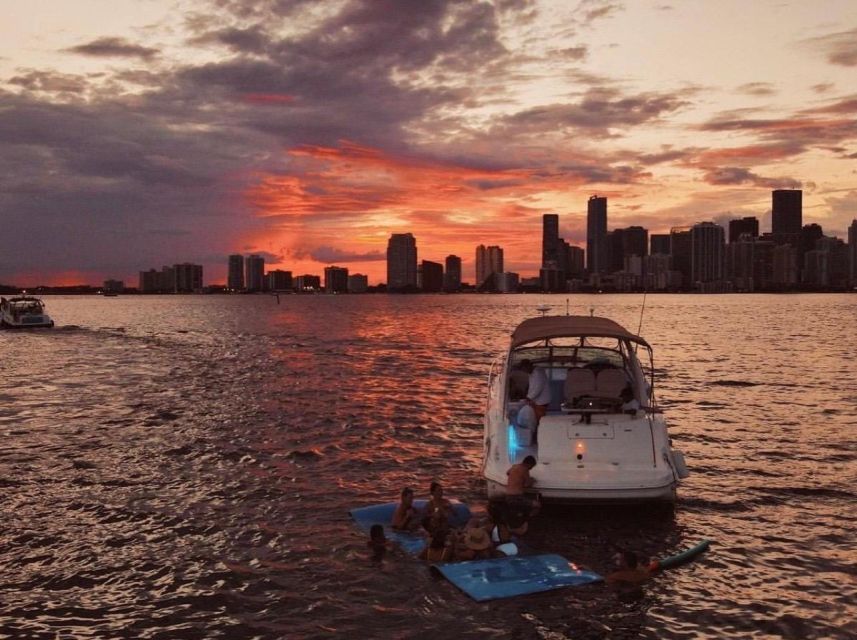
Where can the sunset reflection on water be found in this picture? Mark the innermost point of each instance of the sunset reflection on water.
(184, 466)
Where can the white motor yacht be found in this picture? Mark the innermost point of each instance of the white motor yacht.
(24, 312)
(603, 437)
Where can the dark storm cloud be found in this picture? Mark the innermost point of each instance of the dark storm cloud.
(840, 48)
(824, 125)
(91, 181)
(740, 175)
(598, 112)
(49, 81)
(114, 47)
(250, 40)
(330, 255)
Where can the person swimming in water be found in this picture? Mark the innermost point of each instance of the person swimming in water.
(629, 571)
(377, 543)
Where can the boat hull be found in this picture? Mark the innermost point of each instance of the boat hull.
(583, 495)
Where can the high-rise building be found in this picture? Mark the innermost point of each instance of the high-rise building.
(335, 279)
(707, 241)
(660, 243)
(574, 261)
(550, 241)
(452, 274)
(401, 262)
(278, 280)
(749, 263)
(307, 283)
(596, 235)
(254, 279)
(358, 283)
(740, 226)
(784, 271)
(489, 260)
(852, 252)
(431, 276)
(188, 277)
(113, 286)
(235, 279)
(681, 254)
(787, 212)
(149, 281)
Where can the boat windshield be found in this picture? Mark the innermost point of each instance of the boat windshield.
(594, 355)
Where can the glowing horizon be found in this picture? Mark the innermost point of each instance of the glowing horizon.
(310, 134)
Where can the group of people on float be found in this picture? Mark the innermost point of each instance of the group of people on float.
(485, 536)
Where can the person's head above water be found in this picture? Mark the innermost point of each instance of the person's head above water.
(376, 533)
(627, 559)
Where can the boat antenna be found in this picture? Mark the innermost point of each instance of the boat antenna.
(566, 306)
(642, 309)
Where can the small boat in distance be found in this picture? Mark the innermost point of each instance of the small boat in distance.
(24, 312)
(603, 438)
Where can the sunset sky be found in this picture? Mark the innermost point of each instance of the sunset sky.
(138, 133)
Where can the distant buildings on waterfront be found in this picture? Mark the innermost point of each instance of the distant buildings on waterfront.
(704, 257)
(179, 278)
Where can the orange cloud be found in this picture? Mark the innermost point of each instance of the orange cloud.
(365, 194)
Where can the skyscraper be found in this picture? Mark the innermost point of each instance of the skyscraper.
(680, 251)
(707, 241)
(660, 243)
(550, 241)
(188, 277)
(489, 260)
(401, 262)
(335, 279)
(740, 226)
(255, 273)
(278, 280)
(235, 280)
(432, 276)
(596, 235)
(452, 274)
(786, 212)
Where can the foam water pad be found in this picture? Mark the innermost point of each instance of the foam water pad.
(413, 543)
(514, 576)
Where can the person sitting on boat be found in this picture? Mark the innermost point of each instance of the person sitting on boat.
(629, 570)
(438, 549)
(437, 502)
(406, 517)
(519, 481)
(538, 389)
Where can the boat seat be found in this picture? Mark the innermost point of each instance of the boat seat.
(578, 383)
(610, 382)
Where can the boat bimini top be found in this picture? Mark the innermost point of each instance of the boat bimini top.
(548, 327)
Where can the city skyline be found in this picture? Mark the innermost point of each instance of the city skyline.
(307, 134)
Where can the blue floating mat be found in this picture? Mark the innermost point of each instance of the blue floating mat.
(515, 576)
(382, 514)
